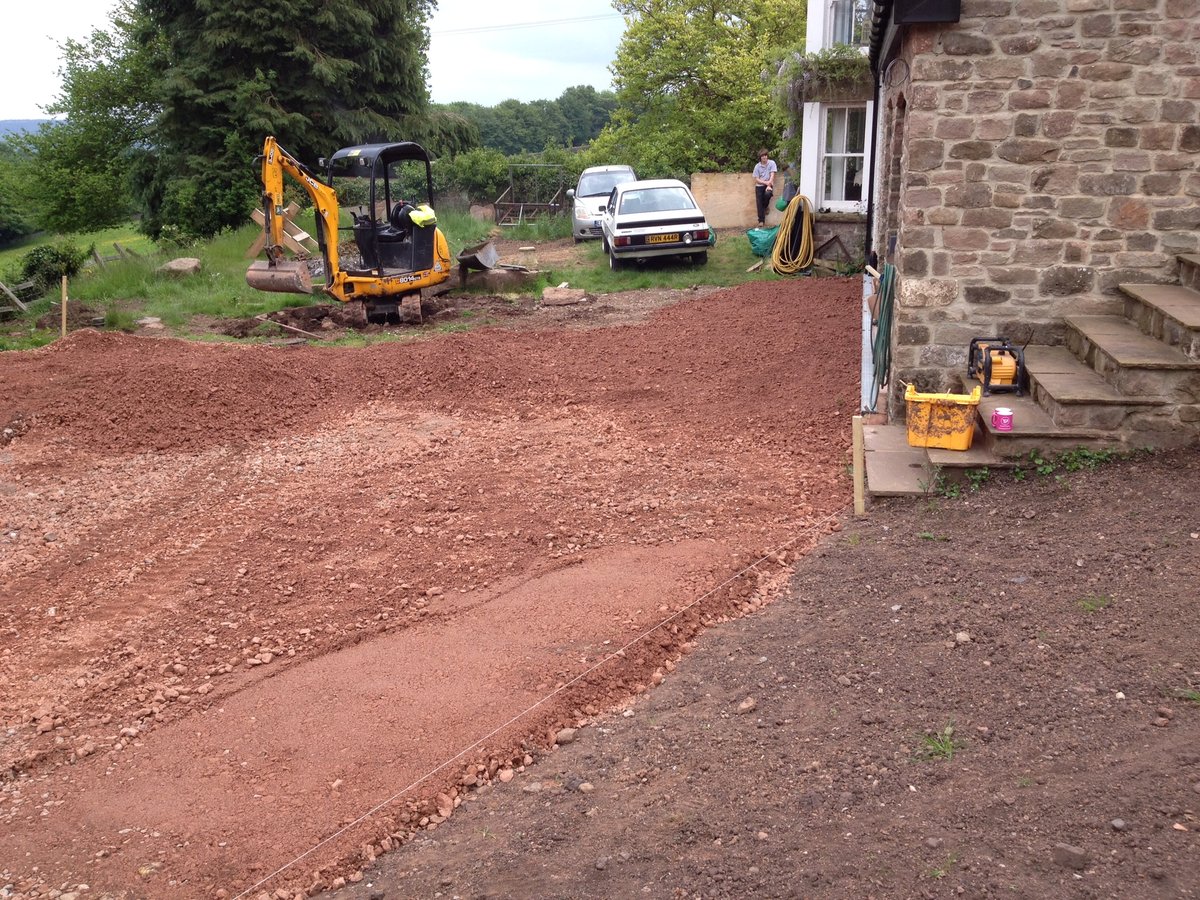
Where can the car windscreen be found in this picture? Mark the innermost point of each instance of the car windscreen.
(652, 200)
(600, 184)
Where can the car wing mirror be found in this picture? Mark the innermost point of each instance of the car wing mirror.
(603, 208)
(570, 193)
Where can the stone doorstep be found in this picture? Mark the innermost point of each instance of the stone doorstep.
(893, 468)
(896, 469)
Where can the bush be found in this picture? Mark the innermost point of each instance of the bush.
(47, 264)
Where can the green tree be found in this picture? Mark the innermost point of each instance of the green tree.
(317, 76)
(80, 180)
(15, 220)
(586, 111)
(693, 93)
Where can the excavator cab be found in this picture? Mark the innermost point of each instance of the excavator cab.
(393, 181)
(387, 189)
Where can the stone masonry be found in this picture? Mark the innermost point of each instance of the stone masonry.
(1042, 152)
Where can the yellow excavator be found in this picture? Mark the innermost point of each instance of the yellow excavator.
(402, 253)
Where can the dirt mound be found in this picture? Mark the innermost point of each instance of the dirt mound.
(251, 592)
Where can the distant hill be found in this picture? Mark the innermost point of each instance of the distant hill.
(9, 125)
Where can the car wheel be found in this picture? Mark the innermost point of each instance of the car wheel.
(614, 263)
(578, 240)
(700, 259)
(604, 243)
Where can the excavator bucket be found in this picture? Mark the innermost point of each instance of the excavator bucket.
(282, 278)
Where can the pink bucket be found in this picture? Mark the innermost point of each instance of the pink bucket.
(1002, 418)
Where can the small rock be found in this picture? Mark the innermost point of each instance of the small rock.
(962, 637)
(747, 705)
(184, 265)
(586, 788)
(933, 843)
(1070, 857)
(602, 863)
(1119, 825)
(565, 736)
(506, 775)
(563, 296)
(844, 680)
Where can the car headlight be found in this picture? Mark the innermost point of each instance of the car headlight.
(581, 212)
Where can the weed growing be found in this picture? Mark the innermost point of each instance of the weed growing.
(945, 868)
(940, 745)
(1094, 603)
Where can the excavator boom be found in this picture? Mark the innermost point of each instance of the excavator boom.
(276, 273)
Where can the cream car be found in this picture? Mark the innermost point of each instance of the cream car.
(644, 219)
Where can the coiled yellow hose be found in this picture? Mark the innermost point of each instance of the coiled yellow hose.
(793, 251)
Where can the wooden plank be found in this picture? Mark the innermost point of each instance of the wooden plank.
(257, 247)
(292, 244)
(859, 466)
(13, 297)
(97, 257)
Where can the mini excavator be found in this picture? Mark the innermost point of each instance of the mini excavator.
(402, 251)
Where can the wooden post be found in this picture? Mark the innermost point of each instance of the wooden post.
(860, 506)
(64, 306)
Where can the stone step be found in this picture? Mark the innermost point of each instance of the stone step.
(1189, 270)
(1168, 312)
(894, 469)
(1135, 364)
(1074, 395)
(1033, 429)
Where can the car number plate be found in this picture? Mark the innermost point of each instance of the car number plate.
(661, 238)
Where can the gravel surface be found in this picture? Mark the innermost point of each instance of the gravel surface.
(265, 607)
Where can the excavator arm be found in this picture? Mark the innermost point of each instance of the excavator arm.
(277, 273)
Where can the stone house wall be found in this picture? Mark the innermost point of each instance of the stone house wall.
(1033, 156)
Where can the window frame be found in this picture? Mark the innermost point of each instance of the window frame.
(823, 154)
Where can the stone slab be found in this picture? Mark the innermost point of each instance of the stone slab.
(1127, 346)
(897, 473)
(886, 437)
(1067, 380)
(977, 457)
(1172, 300)
(894, 469)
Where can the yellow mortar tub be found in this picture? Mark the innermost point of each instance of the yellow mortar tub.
(941, 420)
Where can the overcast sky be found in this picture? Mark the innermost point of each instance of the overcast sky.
(480, 50)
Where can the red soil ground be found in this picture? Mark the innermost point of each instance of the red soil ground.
(267, 612)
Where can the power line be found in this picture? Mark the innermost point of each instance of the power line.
(511, 26)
